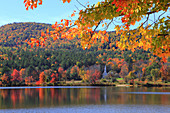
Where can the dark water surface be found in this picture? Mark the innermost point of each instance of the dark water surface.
(84, 99)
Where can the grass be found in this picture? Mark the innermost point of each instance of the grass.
(119, 78)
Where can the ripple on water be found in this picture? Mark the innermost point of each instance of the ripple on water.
(96, 109)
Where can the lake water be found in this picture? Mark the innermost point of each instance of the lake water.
(84, 99)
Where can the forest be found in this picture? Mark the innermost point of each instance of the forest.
(62, 59)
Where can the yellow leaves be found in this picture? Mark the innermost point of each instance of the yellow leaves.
(97, 4)
(117, 28)
(47, 31)
(140, 44)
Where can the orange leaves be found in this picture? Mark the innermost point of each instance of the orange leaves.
(73, 14)
(42, 34)
(102, 25)
(66, 1)
(164, 59)
(32, 3)
(55, 38)
(37, 42)
(132, 22)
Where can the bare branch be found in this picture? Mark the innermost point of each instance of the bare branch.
(156, 20)
(109, 24)
(77, 7)
(81, 4)
(144, 22)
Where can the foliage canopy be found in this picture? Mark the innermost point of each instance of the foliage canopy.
(153, 36)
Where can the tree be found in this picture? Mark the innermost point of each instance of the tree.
(131, 76)
(5, 79)
(54, 78)
(64, 75)
(155, 73)
(124, 70)
(165, 72)
(22, 72)
(16, 78)
(60, 70)
(74, 72)
(92, 75)
(42, 78)
(47, 75)
(28, 80)
(153, 36)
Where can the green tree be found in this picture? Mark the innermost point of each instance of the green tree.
(155, 74)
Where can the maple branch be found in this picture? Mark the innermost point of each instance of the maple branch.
(67, 28)
(163, 35)
(167, 5)
(97, 25)
(91, 34)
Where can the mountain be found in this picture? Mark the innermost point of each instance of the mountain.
(16, 33)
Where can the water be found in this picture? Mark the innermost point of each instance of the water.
(84, 99)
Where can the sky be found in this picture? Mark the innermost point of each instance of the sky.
(49, 12)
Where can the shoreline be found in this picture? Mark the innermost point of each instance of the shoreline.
(98, 84)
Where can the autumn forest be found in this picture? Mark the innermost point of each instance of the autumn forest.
(63, 60)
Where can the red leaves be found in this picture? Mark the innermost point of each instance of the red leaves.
(27, 8)
(16, 76)
(31, 7)
(164, 59)
(40, 3)
(54, 78)
(60, 70)
(118, 9)
(41, 78)
(66, 22)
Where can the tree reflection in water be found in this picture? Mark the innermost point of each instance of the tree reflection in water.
(53, 97)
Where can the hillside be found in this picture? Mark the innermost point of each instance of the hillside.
(15, 53)
(17, 33)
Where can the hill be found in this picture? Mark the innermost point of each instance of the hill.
(17, 33)
(16, 53)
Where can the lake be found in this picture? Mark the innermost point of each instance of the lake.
(76, 99)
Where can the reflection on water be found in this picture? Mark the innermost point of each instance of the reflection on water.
(81, 96)
(96, 109)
